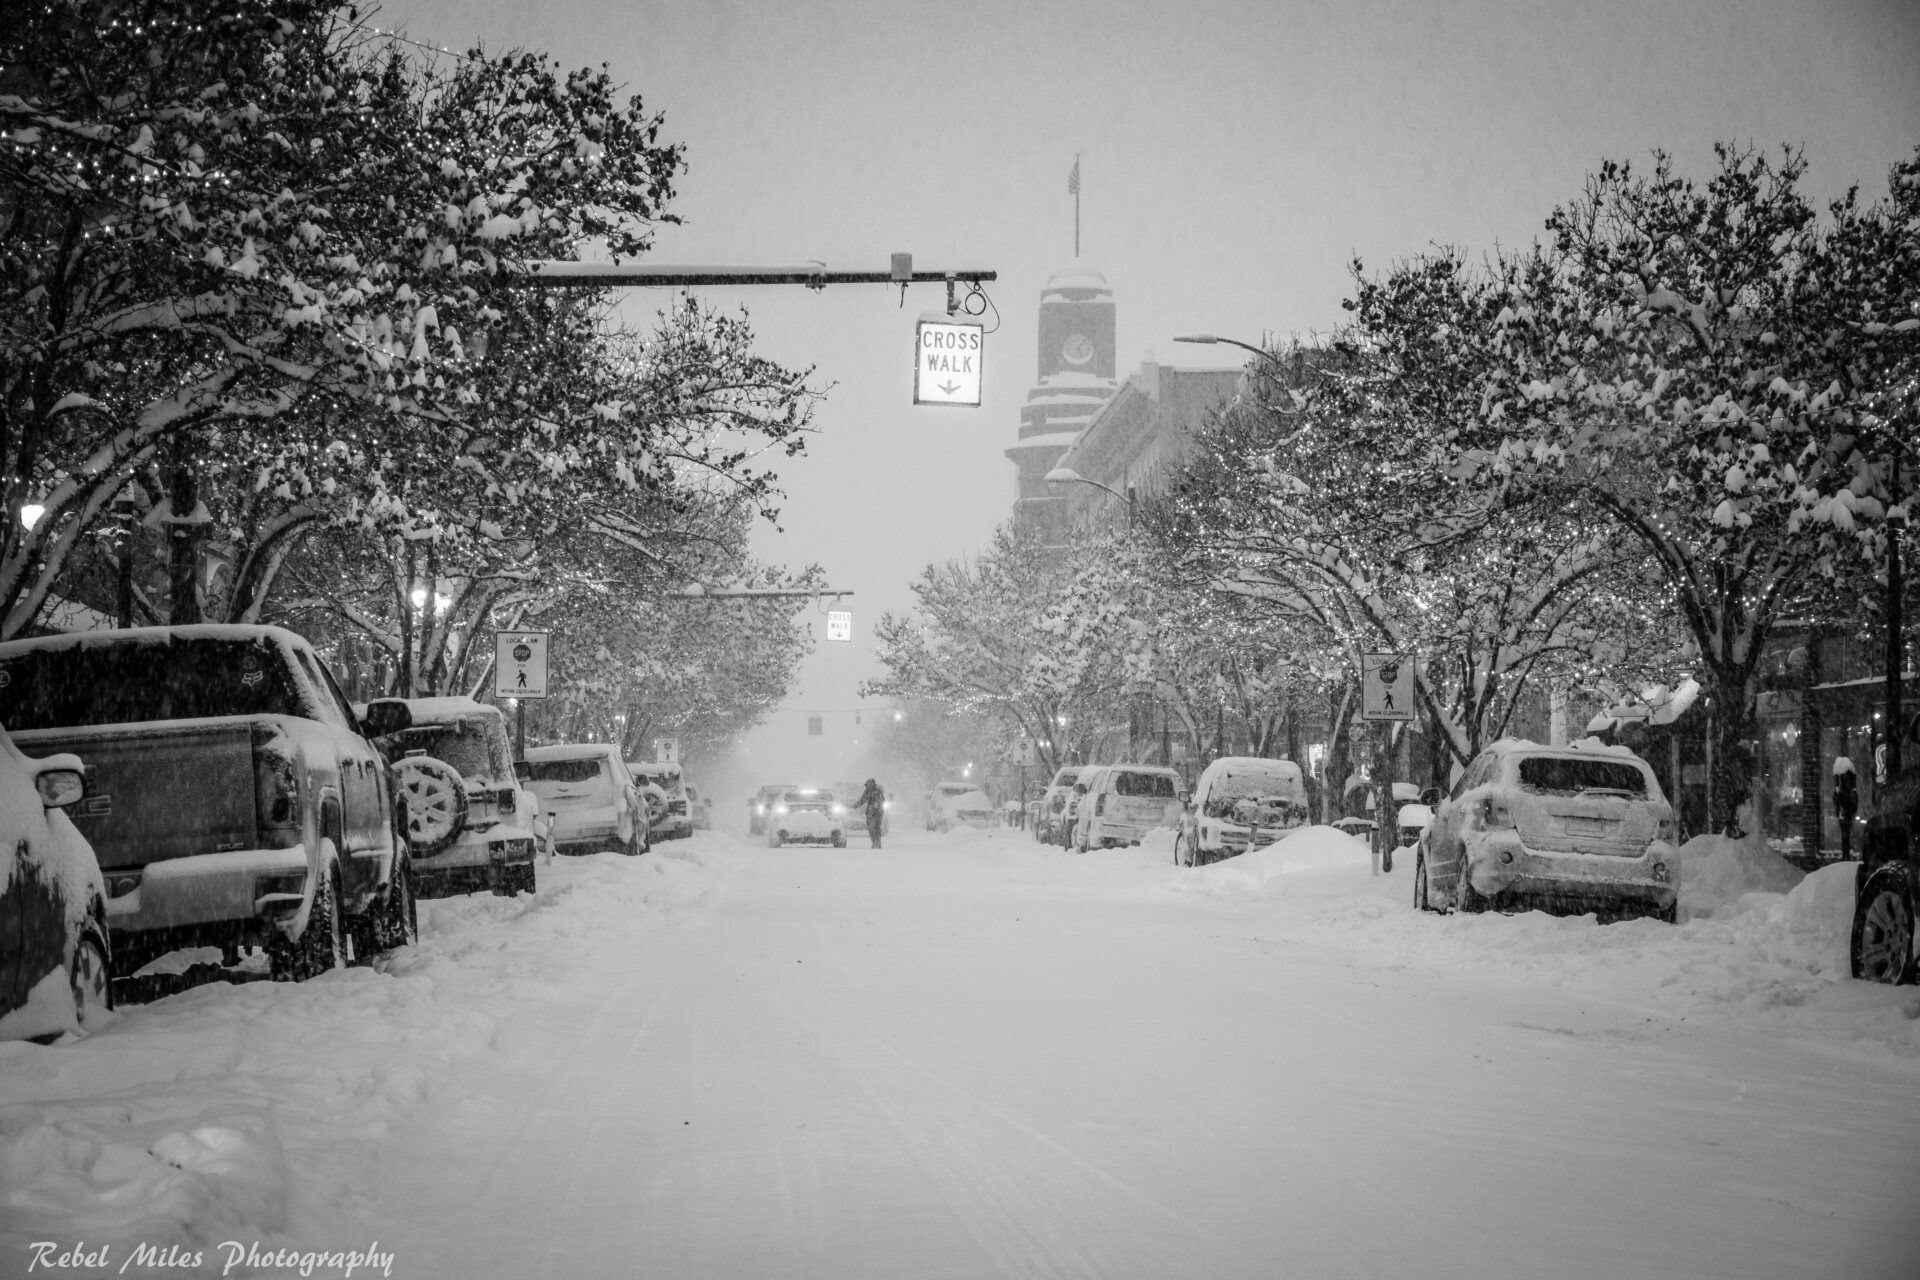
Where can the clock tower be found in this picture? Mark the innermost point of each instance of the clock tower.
(1076, 370)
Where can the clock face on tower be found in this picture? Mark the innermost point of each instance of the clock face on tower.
(1077, 349)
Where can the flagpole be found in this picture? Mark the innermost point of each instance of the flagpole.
(1076, 204)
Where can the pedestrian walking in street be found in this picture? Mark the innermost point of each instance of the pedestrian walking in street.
(874, 801)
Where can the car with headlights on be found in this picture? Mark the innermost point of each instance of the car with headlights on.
(1575, 829)
(806, 815)
(1240, 802)
(760, 805)
(591, 801)
(469, 823)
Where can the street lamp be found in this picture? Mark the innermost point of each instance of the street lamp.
(1210, 338)
(1067, 475)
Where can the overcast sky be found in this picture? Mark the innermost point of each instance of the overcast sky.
(1235, 158)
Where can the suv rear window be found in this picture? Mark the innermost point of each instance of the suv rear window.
(1571, 777)
(1152, 786)
(476, 747)
(129, 682)
(585, 770)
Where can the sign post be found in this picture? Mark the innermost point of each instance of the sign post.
(666, 751)
(520, 672)
(839, 625)
(946, 360)
(1386, 694)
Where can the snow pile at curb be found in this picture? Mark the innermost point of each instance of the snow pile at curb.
(1717, 871)
(1316, 849)
(257, 1111)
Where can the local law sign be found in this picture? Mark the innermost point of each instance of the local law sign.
(947, 355)
(520, 664)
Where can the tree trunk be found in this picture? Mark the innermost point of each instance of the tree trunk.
(1729, 734)
(183, 541)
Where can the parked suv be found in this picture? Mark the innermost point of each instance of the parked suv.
(676, 819)
(591, 800)
(958, 804)
(1887, 887)
(1572, 829)
(1238, 802)
(469, 824)
(1124, 803)
(234, 797)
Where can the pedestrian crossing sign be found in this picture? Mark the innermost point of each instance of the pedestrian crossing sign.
(1386, 686)
(520, 664)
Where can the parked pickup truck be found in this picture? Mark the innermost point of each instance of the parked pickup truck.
(233, 798)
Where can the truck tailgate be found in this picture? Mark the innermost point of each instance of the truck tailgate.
(159, 790)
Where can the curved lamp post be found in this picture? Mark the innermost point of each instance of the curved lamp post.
(1067, 475)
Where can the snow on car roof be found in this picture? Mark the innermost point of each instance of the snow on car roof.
(443, 710)
(153, 635)
(572, 751)
(1572, 751)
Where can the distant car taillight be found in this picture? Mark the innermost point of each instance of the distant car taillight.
(276, 788)
(509, 799)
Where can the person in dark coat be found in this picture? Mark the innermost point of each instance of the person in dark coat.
(874, 802)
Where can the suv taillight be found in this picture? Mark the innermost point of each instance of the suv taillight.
(1494, 813)
(276, 789)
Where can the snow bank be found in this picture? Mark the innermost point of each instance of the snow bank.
(257, 1111)
(1310, 849)
(1717, 871)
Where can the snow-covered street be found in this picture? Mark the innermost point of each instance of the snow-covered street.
(971, 1055)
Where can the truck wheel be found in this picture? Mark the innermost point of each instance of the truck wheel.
(1881, 948)
(397, 924)
(92, 984)
(436, 802)
(1465, 897)
(319, 947)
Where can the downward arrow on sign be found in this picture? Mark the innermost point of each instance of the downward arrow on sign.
(949, 387)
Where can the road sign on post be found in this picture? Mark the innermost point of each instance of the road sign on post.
(839, 625)
(946, 353)
(520, 664)
(666, 751)
(1386, 686)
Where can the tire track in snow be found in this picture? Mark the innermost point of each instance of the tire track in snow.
(1029, 1221)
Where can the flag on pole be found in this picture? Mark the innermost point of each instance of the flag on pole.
(1073, 178)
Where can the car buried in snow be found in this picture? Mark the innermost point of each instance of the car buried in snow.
(1050, 817)
(1574, 829)
(469, 823)
(55, 949)
(592, 803)
(1881, 947)
(1126, 802)
(806, 815)
(1239, 802)
(234, 798)
(958, 804)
